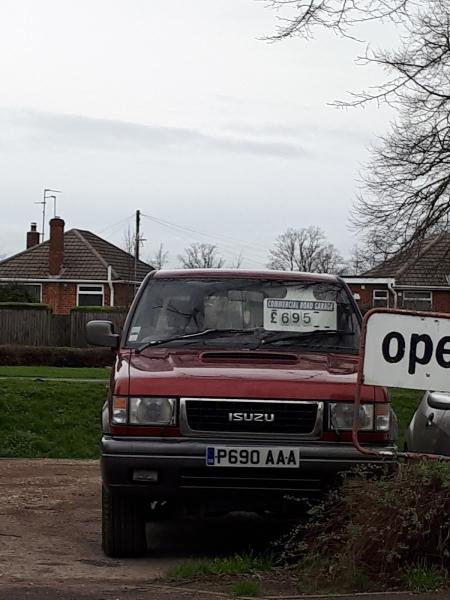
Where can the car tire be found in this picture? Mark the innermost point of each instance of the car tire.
(123, 525)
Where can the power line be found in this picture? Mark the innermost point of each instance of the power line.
(253, 256)
(257, 247)
(230, 251)
(185, 236)
(226, 247)
(112, 228)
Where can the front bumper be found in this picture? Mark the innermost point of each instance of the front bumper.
(182, 470)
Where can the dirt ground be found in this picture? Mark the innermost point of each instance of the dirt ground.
(50, 540)
(50, 537)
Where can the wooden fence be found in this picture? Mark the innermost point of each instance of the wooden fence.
(40, 327)
(31, 327)
(78, 320)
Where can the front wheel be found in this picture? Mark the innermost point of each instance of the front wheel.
(123, 525)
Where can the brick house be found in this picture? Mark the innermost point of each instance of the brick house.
(417, 279)
(73, 268)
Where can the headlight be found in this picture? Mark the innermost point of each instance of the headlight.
(341, 416)
(152, 411)
(120, 410)
(382, 417)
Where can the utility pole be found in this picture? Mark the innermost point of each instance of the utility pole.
(137, 241)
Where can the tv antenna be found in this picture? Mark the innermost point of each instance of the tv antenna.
(44, 206)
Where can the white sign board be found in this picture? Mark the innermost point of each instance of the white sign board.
(407, 351)
(293, 314)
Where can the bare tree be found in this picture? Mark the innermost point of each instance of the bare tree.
(375, 247)
(128, 243)
(406, 186)
(159, 258)
(296, 17)
(362, 259)
(237, 264)
(305, 250)
(201, 256)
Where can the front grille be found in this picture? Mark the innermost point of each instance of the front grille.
(247, 479)
(264, 416)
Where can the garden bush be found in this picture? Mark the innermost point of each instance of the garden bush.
(376, 529)
(50, 356)
(23, 306)
(100, 309)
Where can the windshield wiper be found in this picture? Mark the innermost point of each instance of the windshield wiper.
(274, 337)
(197, 334)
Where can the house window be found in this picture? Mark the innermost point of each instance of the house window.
(417, 300)
(90, 295)
(381, 298)
(34, 291)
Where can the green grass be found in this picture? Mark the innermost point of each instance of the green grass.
(424, 578)
(55, 372)
(50, 419)
(62, 420)
(246, 588)
(232, 565)
(404, 403)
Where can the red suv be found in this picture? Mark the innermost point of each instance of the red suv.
(231, 390)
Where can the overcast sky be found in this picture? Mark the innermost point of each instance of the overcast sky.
(178, 109)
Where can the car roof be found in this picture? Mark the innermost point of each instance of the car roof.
(241, 273)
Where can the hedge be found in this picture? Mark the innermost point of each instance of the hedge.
(24, 306)
(51, 356)
(100, 309)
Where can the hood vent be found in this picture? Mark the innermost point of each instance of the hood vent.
(249, 357)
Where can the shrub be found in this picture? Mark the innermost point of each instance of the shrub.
(55, 357)
(24, 306)
(16, 292)
(100, 309)
(375, 529)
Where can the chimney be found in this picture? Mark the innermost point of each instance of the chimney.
(32, 236)
(56, 247)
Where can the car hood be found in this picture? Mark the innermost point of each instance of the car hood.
(242, 374)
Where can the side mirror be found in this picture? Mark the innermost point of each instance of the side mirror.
(101, 333)
(439, 400)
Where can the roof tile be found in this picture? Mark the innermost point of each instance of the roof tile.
(426, 264)
(86, 256)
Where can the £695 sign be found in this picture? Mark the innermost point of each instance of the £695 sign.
(407, 350)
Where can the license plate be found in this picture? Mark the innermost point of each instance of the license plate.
(247, 456)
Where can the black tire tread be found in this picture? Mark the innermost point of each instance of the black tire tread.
(123, 525)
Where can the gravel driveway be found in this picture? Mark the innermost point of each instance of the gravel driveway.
(50, 534)
(50, 540)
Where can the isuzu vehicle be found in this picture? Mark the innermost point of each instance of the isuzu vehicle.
(231, 390)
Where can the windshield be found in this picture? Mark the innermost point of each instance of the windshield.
(236, 313)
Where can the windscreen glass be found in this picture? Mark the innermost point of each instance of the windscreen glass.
(245, 312)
